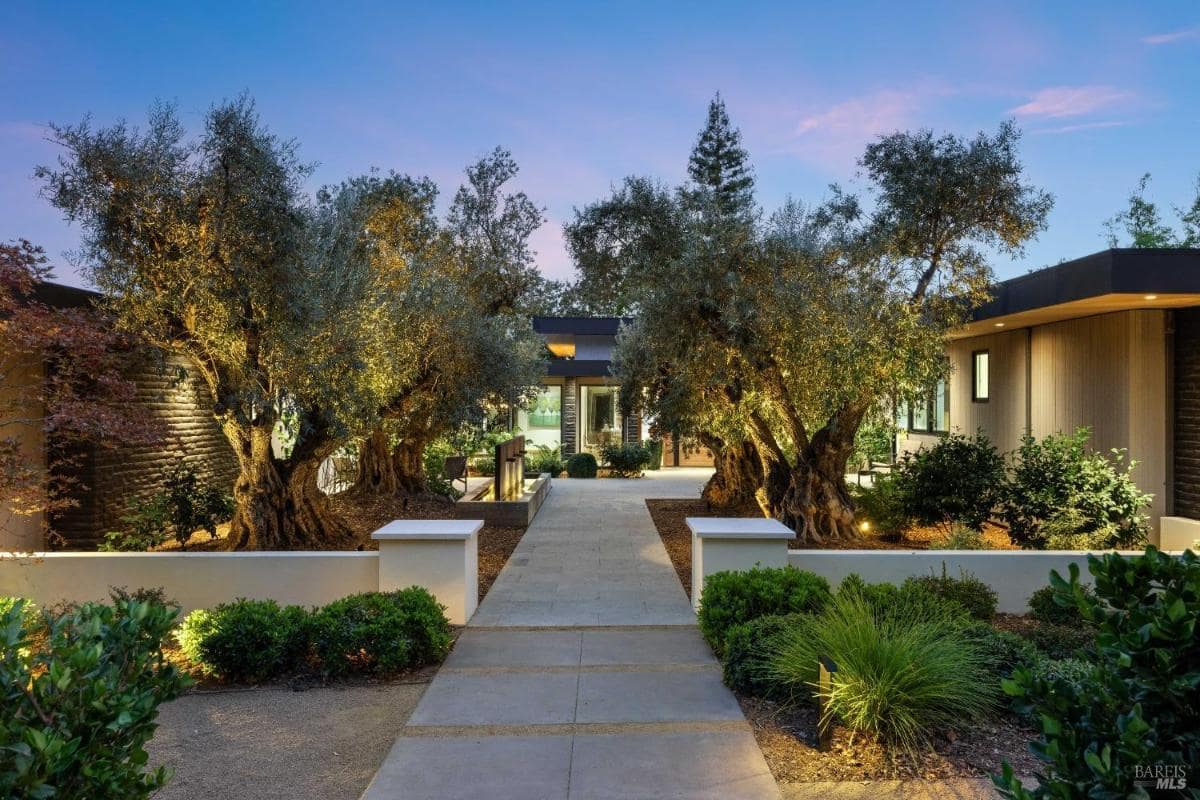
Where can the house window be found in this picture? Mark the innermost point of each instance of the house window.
(980, 378)
(541, 420)
(929, 414)
(599, 418)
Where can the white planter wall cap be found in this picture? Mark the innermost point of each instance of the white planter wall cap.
(739, 528)
(430, 529)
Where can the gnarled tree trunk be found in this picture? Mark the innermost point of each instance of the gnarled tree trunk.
(376, 469)
(408, 464)
(277, 505)
(737, 483)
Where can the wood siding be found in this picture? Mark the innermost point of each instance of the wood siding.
(1004, 416)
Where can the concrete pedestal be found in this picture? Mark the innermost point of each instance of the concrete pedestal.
(439, 555)
(722, 544)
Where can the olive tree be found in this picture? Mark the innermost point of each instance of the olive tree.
(777, 339)
(209, 247)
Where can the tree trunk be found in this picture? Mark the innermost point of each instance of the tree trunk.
(812, 498)
(737, 483)
(376, 470)
(408, 463)
(277, 503)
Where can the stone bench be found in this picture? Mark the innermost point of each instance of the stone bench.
(734, 543)
(441, 555)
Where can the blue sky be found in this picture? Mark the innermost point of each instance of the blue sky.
(586, 94)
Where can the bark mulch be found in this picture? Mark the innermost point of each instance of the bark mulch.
(787, 737)
(670, 519)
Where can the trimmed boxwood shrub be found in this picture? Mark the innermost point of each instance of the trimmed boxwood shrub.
(747, 648)
(381, 632)
(625, 460)
(80, 699)
(582, 465)
(957, 480)
(246, 640)
(974, 595)
(732, 598)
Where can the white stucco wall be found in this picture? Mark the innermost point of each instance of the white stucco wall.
(1013, 574)
(194, 580)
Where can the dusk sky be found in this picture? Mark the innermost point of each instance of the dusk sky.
(586, 94)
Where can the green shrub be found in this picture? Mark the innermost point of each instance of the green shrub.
(876, 689)
(958, 480)
(1061, 641)
(246, 640)
(1002, 651)
(732, 598)
(625, 460)
(974, 595)
(873, 442)
(484, 465)
(655, 448)
(582, 465)
(1136, 704)
(80, 702)
(960, 537)
(546, 459)
(1060, 489)
(381, 632)
(29, 615)
(184, 505)
(144, 526)
(883, 507)
(1050, 607)
(747, 648)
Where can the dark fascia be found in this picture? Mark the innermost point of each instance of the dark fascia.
(1115, 271)
(580, 326)
(576, 368)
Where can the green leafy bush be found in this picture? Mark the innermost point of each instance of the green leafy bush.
(1061, 641)
(582, 465)
(958, 480)
(484, 465)
(883, 507)
(1002, 651)
(876, 689)
(185, 505)
(1050, 607)
(732, 598)
(1135, 705)
(81, 701)
(974, 595)
(655, 448)
(1060, 494)
(546, 459)
(246, 640)
(381, 632)
(960, 537)
(747, 649)
(29, 615)
(625, 460)
(873, 442)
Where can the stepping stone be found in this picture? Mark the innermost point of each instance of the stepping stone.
(531, 698)
(655, 697)
(686, 766)
(493, 767)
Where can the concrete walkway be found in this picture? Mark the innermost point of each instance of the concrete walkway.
(582, 675)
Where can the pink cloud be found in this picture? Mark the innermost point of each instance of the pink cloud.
(1071, 101)
(1085, 126)
(863, 117)
(1172, 37)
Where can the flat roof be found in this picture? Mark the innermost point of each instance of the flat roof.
(1117, 279)
(581, 326)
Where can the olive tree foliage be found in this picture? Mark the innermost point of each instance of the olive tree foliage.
(209, 247)
(775, 339)
(457, 299)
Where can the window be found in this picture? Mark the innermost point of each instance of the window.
(541, 422)
(930, 414)
(980, 379)
(599, 420)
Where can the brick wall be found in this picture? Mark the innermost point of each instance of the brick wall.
(1187, 413)
(570, 416)
(118, 478)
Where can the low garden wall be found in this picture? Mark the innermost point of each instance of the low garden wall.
(1013, 574)
(194, 580)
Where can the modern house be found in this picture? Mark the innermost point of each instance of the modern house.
(1110, 341)
(578, 408)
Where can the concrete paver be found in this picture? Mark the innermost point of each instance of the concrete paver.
(583, 673)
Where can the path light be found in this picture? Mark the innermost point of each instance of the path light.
(865, 525)
(1150, 297)
(999, 324)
